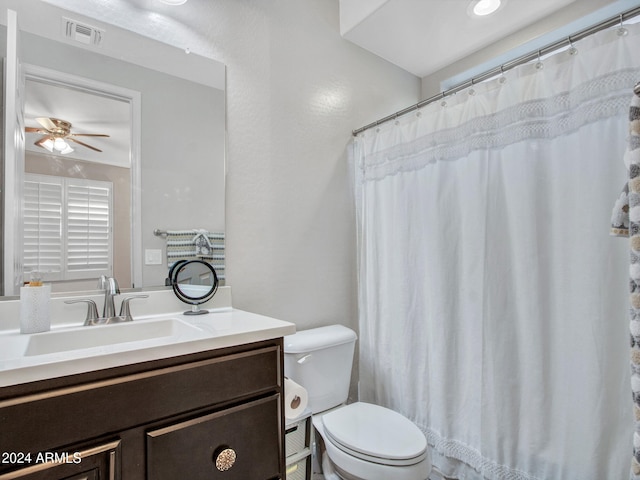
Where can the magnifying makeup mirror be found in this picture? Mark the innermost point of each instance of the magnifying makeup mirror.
(194, 282)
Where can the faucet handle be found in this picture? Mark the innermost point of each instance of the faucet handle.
(92, 310)
(125, 310)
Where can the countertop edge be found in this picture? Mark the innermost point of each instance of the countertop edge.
(31, 373)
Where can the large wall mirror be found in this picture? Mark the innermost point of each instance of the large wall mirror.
(161, 167)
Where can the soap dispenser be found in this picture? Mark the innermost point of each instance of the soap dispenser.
(34, 305)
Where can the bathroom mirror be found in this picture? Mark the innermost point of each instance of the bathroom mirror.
(194, 282)
(180, 142)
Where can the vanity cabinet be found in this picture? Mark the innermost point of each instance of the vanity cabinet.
(213, 414)
(90, 464)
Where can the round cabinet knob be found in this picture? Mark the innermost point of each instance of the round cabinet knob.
(225, 459)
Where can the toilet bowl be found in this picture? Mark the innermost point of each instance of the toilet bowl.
(369, 442)
(361, 441)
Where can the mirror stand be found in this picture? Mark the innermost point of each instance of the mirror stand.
(194, 282)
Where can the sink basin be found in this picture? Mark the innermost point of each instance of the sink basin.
(103, 335)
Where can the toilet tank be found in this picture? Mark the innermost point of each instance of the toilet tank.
(320, 360)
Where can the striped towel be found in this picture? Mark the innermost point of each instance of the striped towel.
(197, 245)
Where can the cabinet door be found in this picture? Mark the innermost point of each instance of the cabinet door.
(239, 443)
(99, 463)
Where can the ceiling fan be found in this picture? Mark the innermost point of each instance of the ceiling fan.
(56, 133)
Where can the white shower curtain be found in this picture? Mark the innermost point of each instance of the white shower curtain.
(492, 300)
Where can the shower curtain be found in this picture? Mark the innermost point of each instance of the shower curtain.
(493, 303)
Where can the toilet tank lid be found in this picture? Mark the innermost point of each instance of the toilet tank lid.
(316, 338)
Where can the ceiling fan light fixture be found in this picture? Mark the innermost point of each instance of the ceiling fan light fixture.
(60, 145)
(174, 2)
(47, 144)
(482, 8)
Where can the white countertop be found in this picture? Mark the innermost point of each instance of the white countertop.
(223, 327)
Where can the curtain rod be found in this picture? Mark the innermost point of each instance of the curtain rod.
(610, 22)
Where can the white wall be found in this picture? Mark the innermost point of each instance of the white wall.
(295, 90)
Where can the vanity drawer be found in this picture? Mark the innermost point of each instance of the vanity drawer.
(238, 443)
(68, 415)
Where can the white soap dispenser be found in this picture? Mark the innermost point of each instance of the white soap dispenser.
(35, 313)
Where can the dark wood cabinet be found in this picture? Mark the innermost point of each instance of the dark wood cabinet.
(98, 463)
(214, 414)
(234, 444)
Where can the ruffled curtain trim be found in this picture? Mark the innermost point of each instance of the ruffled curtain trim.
(542, 119)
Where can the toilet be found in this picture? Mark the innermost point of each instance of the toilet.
(362, 441)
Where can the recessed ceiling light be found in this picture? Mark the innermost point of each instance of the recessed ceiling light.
(482, 8)
(174, 2)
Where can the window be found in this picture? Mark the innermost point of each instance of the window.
(67, 227)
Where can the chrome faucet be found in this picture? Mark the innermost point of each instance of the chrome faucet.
(111, 289)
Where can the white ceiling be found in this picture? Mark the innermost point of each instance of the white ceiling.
(423, 36)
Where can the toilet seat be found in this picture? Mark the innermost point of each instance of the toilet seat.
(375, 434)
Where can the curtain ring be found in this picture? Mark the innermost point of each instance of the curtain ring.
(503, 79)
(572, 50)
(472, 91)
(539, 64)
(622, 31)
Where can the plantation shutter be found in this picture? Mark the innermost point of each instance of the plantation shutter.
(82, 246)
(42, 248)
(88, 228)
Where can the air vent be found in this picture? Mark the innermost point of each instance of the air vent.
(81, 32)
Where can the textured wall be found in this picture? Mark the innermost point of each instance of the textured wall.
(295, 90)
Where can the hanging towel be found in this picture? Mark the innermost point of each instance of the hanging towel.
(197, 244)
(620, 213)
(628, 210)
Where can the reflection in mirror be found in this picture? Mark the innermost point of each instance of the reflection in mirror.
(77, 209)
(194, 282)
(178, 151)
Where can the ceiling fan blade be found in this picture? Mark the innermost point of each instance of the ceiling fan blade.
(35, 130)
(88, 135)
(40, 142)
(83, 144)
(46, 122)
